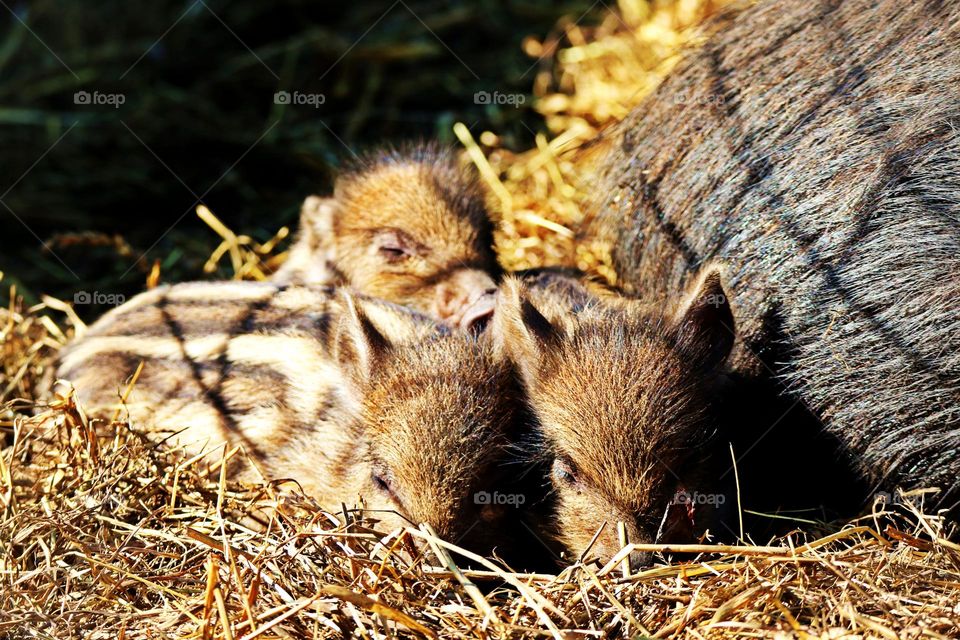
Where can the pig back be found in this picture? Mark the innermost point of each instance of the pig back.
(813, 148)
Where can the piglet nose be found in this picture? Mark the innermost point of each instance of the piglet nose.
(459, 300)
(450, 301)
(640, 560)
(478, 315)
(624, 534)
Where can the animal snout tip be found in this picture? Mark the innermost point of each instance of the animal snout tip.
(467, 300)
(640, 560)
(477, 316)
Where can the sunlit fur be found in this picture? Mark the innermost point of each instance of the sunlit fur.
(815, 148)
(353, 398)
(622, 397)
(419, 198)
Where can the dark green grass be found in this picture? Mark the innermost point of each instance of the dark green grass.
(199, 120)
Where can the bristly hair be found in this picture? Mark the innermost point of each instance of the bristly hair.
(456, 184)
(421, 152)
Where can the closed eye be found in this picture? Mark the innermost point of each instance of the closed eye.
(382, 484)
(394, 245)
(393, 253)
(383, 480)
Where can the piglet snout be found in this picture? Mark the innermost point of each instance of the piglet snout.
(478, 314)
(466, 300)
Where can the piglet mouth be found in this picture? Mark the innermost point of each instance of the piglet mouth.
(476, 316)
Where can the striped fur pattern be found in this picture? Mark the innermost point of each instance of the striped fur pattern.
(354, 398)
(621, 394)
(638, 414)
(410, 226)
(814, 147)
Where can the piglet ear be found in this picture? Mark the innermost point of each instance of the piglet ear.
(704, 324)
(313, 252)
(520, 331)
(359, 347)
(316, 218)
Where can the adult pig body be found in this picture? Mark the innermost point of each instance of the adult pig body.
(814, 148)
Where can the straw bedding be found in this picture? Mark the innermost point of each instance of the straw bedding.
(104, 534)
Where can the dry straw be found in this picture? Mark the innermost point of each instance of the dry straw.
(104, 534)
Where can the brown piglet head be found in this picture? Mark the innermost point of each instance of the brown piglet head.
(622, 396)
(412, 227)
(437, 423)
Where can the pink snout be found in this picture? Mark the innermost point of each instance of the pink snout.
(466, 300)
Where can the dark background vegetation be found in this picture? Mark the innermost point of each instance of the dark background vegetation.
(199, 121)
